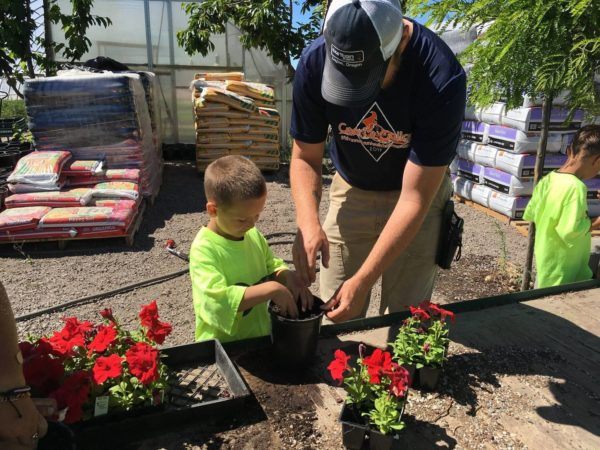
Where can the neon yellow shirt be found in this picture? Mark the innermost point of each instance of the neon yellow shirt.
(220, 270)
(558, 208)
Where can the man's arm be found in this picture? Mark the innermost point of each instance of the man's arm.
(305, 180)
(15, 432)
(419, 187)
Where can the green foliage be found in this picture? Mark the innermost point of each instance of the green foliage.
(13, 108)
(385, 415)
(420, 343)
(17, 37)
(536, 47)
(265, 24)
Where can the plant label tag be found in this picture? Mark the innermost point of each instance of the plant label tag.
(101, 406)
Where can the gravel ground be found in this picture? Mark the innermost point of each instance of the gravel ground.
(38, 276)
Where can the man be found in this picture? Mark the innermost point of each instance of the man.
(394, 96)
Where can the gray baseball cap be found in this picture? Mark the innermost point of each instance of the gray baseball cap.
(360, 38)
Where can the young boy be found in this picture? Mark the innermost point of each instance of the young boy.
(230, 259)
(558, 208)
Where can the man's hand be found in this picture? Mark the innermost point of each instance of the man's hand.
(307, 244)
(21, 433)
(347, 302)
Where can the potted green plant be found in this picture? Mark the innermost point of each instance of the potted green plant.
(377, 389)
(422, 343)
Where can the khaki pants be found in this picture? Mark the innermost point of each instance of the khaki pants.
(354, 222)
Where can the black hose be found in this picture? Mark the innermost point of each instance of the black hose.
(101, 295)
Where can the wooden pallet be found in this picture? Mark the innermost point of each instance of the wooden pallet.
(129, 235)
(522, 226)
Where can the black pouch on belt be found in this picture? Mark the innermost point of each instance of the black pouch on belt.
(450, 243)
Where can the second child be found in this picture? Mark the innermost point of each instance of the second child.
(558, 208)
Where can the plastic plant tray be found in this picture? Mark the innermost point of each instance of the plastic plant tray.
(206, 384)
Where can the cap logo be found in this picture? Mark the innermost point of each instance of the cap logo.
(354, 58)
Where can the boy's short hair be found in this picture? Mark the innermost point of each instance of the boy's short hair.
(233, 178)
(586, 140)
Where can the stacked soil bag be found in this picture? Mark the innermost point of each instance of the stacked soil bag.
(99, 117)
(235, 117)
(497, 155)
(94, 203)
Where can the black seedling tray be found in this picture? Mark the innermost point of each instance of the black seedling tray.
(207, 385)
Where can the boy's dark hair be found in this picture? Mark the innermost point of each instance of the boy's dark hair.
(233, 178)
(586, 140)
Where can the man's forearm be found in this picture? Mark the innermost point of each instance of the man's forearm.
(11, 373)
(305, 180)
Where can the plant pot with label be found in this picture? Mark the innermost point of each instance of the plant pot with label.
(295, 340)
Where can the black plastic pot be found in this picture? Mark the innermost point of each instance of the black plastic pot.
(380, 441)
(357, 435)
(429, 377)
(9, 158)
(354, 431)
(295, 340)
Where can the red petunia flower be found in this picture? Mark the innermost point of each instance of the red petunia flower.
(42, 370)
(378, 362)
(143, 362)
(159, 332)
(105, 337)
(338, 366)
(72, 335)
(156, 330)
(420, 313)
(107, 313)
(149, 314)
(107, 367)
(73, 394)
(399, 380)
(443, 313)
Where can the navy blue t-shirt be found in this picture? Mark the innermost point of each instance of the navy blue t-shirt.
(418, 117)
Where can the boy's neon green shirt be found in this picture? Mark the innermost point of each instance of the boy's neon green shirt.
(220, 270)
(558, 208)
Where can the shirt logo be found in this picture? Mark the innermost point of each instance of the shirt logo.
(354, 58)
(375, 133)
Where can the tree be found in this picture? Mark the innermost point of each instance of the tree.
(265, 24)
(18, 59)
(535, 47)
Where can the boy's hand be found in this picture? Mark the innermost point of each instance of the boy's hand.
(299, 291)
(595, 224)
(283, 298)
